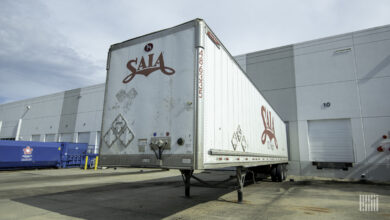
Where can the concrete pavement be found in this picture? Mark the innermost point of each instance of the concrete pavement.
(129, 193)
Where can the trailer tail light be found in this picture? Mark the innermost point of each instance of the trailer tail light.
(380, 149)
(384, 136)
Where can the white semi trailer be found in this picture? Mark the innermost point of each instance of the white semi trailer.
(177, 99)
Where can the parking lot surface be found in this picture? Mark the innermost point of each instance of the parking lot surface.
(129, 193)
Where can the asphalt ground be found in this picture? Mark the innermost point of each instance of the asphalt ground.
(128, 193)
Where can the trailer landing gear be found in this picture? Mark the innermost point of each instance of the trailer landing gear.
(240, 183)
(240, 176)
(278, 173)
(186, 175)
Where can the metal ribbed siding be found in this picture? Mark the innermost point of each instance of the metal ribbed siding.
(331, 141)
(231, 100)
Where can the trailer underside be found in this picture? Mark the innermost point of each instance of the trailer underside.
(277, 172)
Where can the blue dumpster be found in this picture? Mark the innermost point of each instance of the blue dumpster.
(73, 154)
(18, 154)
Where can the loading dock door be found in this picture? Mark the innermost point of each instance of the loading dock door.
(66, 137)
(331, 141)
(83, 137)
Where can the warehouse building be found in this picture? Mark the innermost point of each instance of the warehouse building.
(70, 116)
(333, 93)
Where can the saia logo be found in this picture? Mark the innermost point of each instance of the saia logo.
(148, 47)
(269, 126)
(147, 66)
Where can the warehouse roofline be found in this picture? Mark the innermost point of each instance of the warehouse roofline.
(52, 94)
(358, 32)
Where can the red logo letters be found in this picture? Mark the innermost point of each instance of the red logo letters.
(148, 67)
(269, 126)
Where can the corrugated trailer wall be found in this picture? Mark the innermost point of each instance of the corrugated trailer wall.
(236, 115)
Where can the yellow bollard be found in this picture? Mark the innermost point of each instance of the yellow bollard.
(86, 162)
(96, 162)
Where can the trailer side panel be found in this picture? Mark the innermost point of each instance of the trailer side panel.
(240, 127)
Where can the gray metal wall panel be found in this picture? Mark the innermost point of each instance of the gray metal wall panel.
(342, 96)
(271, 70)
(325, 65)
(374, 129)
(284, 101)
(329, 43)
(375, 94)
(293, 141)
(358, 140)
(373, 59)
(303, 141)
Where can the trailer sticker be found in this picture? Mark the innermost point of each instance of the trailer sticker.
(119, 130)
(186, 160)
(148, 47)
(213, 39)
(142, 144)
(27, 154)
(239, 138)
(269, 126)
(127, 136)
(146, 68)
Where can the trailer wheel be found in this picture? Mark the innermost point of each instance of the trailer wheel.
(279, 173)
(273, 174)
(284, 172)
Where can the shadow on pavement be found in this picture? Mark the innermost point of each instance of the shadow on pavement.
(80, 176)
(154, 199)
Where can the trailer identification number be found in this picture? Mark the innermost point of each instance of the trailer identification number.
(200, 70)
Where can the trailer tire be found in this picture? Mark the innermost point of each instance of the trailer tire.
(279, 173)
(284, 172)
(273, 174)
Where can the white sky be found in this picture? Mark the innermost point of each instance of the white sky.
(51, 46)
